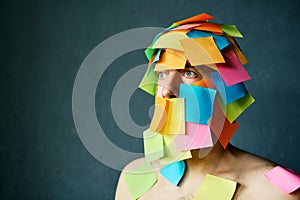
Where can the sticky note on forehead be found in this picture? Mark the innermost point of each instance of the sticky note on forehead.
(202, 51)
(170, 59)
(170, 40)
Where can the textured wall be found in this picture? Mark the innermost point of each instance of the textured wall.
(43, 43)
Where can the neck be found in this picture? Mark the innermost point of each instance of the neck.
(218, 160)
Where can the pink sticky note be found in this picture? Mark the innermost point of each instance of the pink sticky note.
(185, 27)
(283, 179)
(197, 136)
(232, 71)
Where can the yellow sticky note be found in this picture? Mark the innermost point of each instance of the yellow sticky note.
(202, 51)
(171, 59)
(153, 145)
(236, 108)
(170, 152)
(213, 187)
(148, 83)
(170, 40)
(140, 179)
(169, 116)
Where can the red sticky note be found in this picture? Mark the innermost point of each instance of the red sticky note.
(283, 179)
(198, 18)
(232, 71)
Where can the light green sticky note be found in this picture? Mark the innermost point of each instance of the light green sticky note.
(140, 179)
(170, 153)
(236, 108)
(231, 30)
(148, 83)
(213, 187)
(153, 145)
(149, 53)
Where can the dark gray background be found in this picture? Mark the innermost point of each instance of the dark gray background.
(43, 44)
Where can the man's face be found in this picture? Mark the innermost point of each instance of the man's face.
(169, 80)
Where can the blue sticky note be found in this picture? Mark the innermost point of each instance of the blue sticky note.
(173, 172)
(228, 93)
(199, 103)
(221, 41)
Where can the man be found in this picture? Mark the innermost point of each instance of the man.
(199, 92)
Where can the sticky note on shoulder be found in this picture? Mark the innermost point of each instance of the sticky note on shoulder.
(213, 187)
(174, 172)
(140, 179)
(283, 179)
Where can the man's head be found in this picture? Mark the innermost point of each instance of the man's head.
(196, 74)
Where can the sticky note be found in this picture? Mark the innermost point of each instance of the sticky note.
(159, 91)
(206, 83)
(170, 40)
(283, 179)
(140, 179)
(153, 145)
(231, 30)
(221, 127)
(237, 51)
(198, 103)
(196, 136)
(185, 27)
(232, 71)
(170, 153)
(202, 51)
(198, 18)
(174, 172)
(213, 187)
(169, 116)
(215, 28)
(171, 59)
(228, 93)
(221, 41)
(148, 82)
(236, 108)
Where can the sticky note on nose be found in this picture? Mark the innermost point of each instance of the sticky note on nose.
(198, 103)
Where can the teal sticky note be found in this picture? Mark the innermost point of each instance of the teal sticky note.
(228, 93)
(174, 172)
(198, 103)
(221, 41)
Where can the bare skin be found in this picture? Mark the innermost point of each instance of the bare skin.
(231, 163)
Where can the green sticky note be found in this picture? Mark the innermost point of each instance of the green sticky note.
(236, 108)
(148, 83)
(153, 145)
(170, 152)
(140, 179)
(231, 30)
(213, 187)
(149, 52)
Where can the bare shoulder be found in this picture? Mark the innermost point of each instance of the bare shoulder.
(252, 182)
(122, 192)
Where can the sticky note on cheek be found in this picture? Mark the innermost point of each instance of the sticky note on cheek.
(198, 103)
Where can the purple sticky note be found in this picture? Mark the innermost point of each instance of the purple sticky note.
(196, 136)
(232, 71)
(283, 179)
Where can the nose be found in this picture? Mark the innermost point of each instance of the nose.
(170, 85)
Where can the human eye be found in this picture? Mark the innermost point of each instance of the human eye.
(190, 74)
(161, 75)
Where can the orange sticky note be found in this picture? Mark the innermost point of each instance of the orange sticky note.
(160, 114)
(198, 18)
(237, 51)
(202, 51)
(221, 127)
(171, 59)
(206, 83)
(215, 28)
